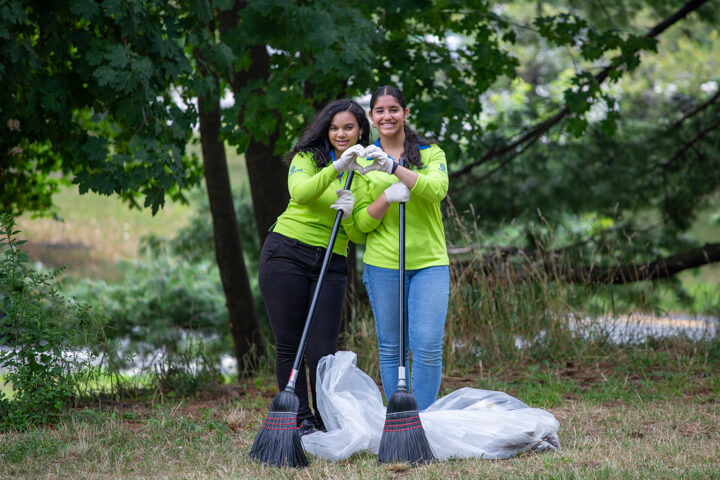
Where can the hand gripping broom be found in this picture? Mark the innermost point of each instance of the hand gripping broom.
(403, 438)
(277, 442)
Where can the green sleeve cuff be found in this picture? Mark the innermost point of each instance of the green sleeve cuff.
(353, 233)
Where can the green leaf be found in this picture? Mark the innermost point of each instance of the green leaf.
(87, 9)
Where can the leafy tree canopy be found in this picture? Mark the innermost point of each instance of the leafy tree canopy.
(602, 116)
(89, 94)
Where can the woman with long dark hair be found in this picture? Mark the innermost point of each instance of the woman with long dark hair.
(422, 183)
(293, 252)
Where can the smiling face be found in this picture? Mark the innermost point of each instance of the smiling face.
(343, 132)
(388, 116)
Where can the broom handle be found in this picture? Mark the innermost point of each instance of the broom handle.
(323, 270)
(402, 382)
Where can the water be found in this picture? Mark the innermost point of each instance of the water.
(637, 327)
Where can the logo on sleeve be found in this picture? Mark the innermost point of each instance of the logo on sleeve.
(295, 170)
(442, 168)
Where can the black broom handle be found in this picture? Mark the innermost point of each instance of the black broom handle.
(402, 382)
(323, 270)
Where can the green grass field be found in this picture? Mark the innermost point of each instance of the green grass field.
(650, 412)
(635, 418)
(96, 231)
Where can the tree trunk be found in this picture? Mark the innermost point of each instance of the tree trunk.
(268, 184)
(242, 319)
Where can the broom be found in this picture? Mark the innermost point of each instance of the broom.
(277, 442)
(403, 438)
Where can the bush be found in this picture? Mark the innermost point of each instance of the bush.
(163, 308)
(194, 245)
(167, 315)
(47, 339)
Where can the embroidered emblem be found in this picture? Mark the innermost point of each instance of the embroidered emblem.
(295, 170)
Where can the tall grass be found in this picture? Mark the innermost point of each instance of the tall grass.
(510, 306)
(491, 320)
(505, 307)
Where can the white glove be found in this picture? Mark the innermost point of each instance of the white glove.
(344, 202)
(381, 161)
(347, 162)
(397, 192)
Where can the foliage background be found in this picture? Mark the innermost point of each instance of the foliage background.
(101, 98)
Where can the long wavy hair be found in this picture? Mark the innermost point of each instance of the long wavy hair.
(412, 140)
(315, 137)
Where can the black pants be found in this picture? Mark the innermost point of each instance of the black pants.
(288, 274)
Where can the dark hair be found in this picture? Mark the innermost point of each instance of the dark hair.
(315, 137)
(412, 140)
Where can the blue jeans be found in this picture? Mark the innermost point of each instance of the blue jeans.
(426, 297)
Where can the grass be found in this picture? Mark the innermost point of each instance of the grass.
(648, 411)
(608, 429)
(94, 231)
(643, 411)
(624, 376)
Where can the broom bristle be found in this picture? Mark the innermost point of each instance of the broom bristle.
(403, 438)
(277, 442)
(285, 401)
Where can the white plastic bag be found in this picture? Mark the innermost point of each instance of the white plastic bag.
(466, 423)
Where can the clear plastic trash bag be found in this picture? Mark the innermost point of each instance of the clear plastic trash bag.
(466, 423)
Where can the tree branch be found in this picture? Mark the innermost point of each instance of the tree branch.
(694, 111)
(508, 159)
(534, 132)
(689, 144)
(493, 253)
(622, 274)
(664, 267)
(545, 125)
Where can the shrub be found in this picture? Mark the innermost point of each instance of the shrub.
(47, 339)
(163, 307)
(167, 315)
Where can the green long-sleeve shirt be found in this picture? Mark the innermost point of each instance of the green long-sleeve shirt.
(308, 216)
(424, 232)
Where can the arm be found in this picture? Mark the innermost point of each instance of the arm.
(361, 194)
(434, 159)
(379, 207)
(407, 176)
(383, 163)
(352, 231)
(305, 182)
(362, 223)
(365, 222)
(395, 193)
(434, 185)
